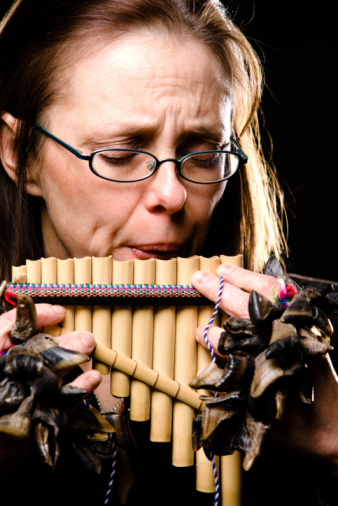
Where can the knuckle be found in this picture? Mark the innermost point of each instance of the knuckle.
(229, 272)
(240, 305)
(237, 305)
(272, 285)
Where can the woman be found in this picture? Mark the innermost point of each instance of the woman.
(143, 84)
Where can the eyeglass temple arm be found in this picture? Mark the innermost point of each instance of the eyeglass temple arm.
(64, 144)
(240, 153)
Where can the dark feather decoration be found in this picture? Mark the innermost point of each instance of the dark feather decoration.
(264, 357)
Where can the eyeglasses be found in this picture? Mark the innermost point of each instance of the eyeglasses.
(132, 165)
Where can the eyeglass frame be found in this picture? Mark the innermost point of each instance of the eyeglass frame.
(243, 159)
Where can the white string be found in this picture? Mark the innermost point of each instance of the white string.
(212, 353)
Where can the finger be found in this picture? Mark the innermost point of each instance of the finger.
(213, 336)
(46, 314)
(6, 323)
(83, 342)
(234, 301)
(249, 281)
(88, 381)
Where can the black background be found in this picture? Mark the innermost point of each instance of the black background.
(296, 43)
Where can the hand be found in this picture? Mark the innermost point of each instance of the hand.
(238, 283)
(13, 451)
(48, 315)
(313, 429)
(309, 429)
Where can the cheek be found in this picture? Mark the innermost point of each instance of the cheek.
(217, 195)
(86, 205)
(68, 186)
(205, 200)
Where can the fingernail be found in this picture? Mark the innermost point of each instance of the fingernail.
(200, 277)
(88, 339)
(222, 270)
(94, 378)
(59, 310)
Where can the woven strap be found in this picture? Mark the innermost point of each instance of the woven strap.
(85, 294)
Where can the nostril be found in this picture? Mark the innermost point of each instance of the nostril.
(166, 190)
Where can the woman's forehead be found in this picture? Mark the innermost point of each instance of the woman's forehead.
(148, 51)
(142, 72)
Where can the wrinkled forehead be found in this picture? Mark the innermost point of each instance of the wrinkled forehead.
(87, 53)
(143, 84)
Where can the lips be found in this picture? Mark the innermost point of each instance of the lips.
(160, 251)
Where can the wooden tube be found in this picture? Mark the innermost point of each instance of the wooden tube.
(150, 377)
(163, 355)
(185, 367)
(65, 275)
(101, 323)
(122, 322)
(231, 467)
(29, 273)
(33, 271)
(142, 323)
(140, 372)
(231, 470)
(232, 260)
(205, 313)
(19, 273)
(83, 275)
(142, 342)
(48, 270)
(205, 479)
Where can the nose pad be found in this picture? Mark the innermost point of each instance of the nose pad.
(166, 189)
(151, 166)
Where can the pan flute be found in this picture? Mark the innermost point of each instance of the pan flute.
(149, 349)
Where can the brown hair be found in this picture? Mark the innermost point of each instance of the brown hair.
(37, 38)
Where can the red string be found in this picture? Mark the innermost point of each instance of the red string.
(10, 298)
(286, 294)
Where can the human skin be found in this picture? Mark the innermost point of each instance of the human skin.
(308, 429)
(153, 92)
(143, 91)
(13, 451)
(148, 92)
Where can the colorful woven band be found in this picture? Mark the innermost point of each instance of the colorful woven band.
(73, 294)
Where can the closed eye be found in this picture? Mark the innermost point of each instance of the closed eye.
(115, 157)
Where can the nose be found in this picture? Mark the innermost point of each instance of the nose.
(165, 190)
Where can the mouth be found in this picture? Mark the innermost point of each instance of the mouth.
(162, 251)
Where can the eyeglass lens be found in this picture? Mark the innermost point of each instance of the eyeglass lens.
(124, 165)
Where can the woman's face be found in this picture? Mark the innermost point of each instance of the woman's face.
(146, 91)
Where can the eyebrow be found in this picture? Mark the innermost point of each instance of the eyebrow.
(142, 134)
